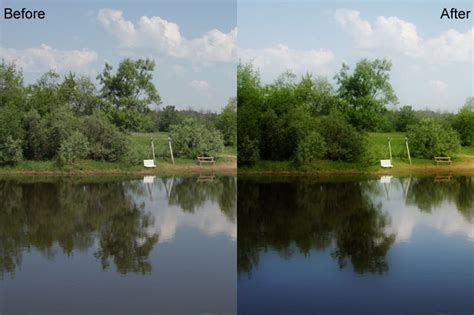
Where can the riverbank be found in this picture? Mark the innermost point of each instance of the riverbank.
(463, 164)
(225, 164)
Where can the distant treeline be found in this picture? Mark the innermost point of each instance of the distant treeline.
(308, 119)
(71, 118)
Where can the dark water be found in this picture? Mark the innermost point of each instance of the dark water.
(118, 246)
(364, 246)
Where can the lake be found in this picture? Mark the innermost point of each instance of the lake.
(106, 245)
(386, 245)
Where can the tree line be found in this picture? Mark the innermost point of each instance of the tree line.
(309, 118)
(72, 118)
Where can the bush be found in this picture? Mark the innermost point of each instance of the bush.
(464, 125)
(10, 151)
(247, 151)
(343, 141)
(311, 149)
(430, 138)
(192, 139)
(106, 142)
(74, 148)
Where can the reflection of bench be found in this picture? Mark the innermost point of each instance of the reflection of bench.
(386, 163)
(442, 159)
(149, 163)
(206, 159)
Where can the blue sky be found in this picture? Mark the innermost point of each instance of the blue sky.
(193, 43)
(432, 58)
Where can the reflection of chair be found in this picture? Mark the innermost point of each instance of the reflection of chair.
(443, 178)
(385, 179)
(149, 179)
(206, 178)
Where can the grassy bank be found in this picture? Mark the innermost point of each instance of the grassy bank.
(463, 162)
(226, 161)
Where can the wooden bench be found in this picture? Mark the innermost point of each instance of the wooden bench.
(442, 159)
(206, 159)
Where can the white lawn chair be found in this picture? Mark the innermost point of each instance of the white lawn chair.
(149, 163)
(386, 163)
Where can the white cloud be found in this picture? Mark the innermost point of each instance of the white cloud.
(165, 37)
(44, 58)
(438, 85)
(397, 35)
(281, 57)
(199, 85)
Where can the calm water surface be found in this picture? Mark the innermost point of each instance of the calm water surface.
(118, 246)
(362, 246)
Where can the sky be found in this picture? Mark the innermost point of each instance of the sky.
(432, 59)
(192, 43)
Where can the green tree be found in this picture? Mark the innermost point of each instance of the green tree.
(191, 139)
(129, 93)
(405, 117)
(249, 104)
(464, 123)
(366, 92)
(430, 138)
(227, 123)
(73, 149)
(311, 149)
(167, 117)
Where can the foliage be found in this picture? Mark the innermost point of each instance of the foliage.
(464, 123)
(73, 149)
(430, 138)
(248, 153)
(10, 151)
(129, 93)
(106, 141)
(404, 118)
(343, 141)
(191, 139)
(366, 92)
(311, 148)
(227, 123)
(167, 117)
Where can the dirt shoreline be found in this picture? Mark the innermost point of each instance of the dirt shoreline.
(412, 170)
(225, 169)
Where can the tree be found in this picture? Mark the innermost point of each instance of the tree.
(249, 104)
(227, 123)
(129, 93)
(464, 123)
(167, 117)
(430, 138)
(366, 92)
(191, 139)
(405, 117)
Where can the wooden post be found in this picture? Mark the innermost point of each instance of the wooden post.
(390, 149)
(153, 148)
(171, 150)
(408, 149)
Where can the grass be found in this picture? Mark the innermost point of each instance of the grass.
(140, 144)
(378, 145)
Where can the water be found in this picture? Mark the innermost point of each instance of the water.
(356, 246)
(118, 246)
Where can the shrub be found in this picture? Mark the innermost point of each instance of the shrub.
(430, 138)
(192, 139)
(73, 148)
(343, 141)
(10, 151)
(311, 149)
(247, 151)
(106, 142)
(464, 125)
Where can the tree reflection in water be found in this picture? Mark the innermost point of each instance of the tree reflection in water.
(74, 214)
(70, 215)
(305, 214)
